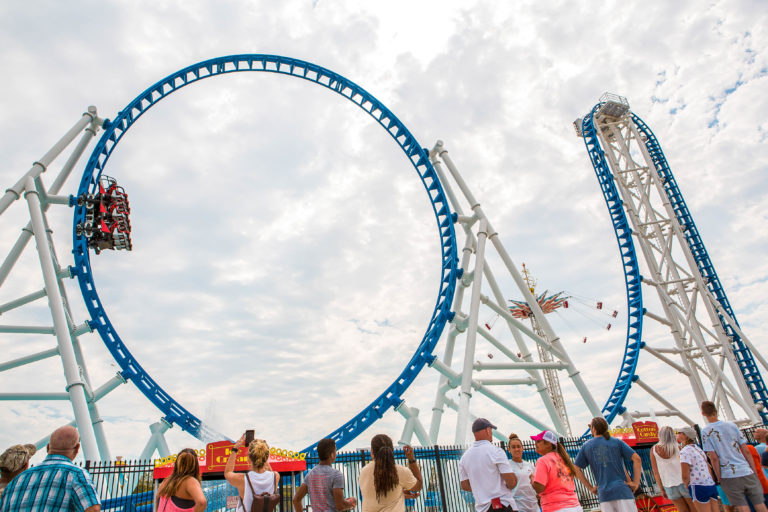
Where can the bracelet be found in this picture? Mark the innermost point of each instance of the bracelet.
(412, 461)
(235, 451)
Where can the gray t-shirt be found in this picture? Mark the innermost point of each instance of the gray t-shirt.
(321, 481)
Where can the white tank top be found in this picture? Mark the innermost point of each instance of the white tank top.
(261, 482)
(669, 469)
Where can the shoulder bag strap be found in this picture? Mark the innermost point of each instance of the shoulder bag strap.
(253, 493)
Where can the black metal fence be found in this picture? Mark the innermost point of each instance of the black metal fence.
(127, 486)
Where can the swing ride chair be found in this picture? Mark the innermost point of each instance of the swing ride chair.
(101, 222)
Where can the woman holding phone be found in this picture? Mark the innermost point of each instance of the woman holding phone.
(260, 478)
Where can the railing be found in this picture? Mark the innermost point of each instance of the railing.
(127, 486)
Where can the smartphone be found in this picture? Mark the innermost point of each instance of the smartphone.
(248, 437)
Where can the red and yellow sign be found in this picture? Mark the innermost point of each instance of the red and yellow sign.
(214, 459)
(642, 432)
(646, 431)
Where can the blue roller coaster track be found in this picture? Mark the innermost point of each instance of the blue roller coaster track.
(174, 412)
(131, 370)
(627, 375)
(632, 279)
(743, 355)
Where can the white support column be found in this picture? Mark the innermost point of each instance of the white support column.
(450, 344)
(75, 386)
(648, 389)
(56, 185)
(412, 425)
(469, 352)
(14, 193)
(156, 440)
(477, 226)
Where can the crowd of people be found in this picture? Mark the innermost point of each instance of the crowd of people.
(724, 472)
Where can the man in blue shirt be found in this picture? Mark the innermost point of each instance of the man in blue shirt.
(606, 456)
(726, 448)
(55, 484)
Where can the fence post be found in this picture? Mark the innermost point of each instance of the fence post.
(439, 471)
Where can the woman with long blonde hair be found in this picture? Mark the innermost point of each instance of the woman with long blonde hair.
(261, 478)
(181, 492)
(668, 472)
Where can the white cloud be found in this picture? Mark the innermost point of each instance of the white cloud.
(285, 259)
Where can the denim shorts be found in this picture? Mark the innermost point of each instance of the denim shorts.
(676, 492)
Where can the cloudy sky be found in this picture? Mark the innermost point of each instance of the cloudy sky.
(286, 260)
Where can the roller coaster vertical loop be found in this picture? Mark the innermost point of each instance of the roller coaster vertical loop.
(116, 129)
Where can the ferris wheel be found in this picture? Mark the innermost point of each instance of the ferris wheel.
(101, 222)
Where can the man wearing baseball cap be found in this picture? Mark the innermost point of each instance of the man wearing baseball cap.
(484, 470)
(13, 461)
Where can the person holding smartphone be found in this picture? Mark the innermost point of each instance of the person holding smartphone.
(260, 478)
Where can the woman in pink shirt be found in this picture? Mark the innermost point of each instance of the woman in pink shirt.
(554, 474)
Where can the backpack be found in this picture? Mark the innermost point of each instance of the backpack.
(264, 502)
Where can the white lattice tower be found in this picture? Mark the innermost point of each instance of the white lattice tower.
(698, 345)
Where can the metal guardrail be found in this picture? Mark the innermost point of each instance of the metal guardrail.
(127, 486)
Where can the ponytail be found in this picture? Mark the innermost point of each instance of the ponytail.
(566, 459)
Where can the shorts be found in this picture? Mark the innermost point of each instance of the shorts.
(676, 492)
(739, 488)
(703, 493)
(570, 509)
(618, 506)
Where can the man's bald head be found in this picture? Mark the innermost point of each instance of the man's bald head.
(64, 441)
(760, 435)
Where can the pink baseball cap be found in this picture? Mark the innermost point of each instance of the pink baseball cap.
(546, 435)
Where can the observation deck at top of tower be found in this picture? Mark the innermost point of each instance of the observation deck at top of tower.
(611, 105)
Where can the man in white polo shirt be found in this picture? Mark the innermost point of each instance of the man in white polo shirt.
(484, 470)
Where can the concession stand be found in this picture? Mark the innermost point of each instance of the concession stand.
(214, 460)
(641, 437)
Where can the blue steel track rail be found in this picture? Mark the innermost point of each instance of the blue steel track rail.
(131, 370)
(632, 279)
(744, 358)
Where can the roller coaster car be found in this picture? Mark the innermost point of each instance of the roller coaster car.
(107, 224)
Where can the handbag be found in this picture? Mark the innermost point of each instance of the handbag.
(264, 502)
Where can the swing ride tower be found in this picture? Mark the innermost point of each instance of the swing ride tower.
(550, 375)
